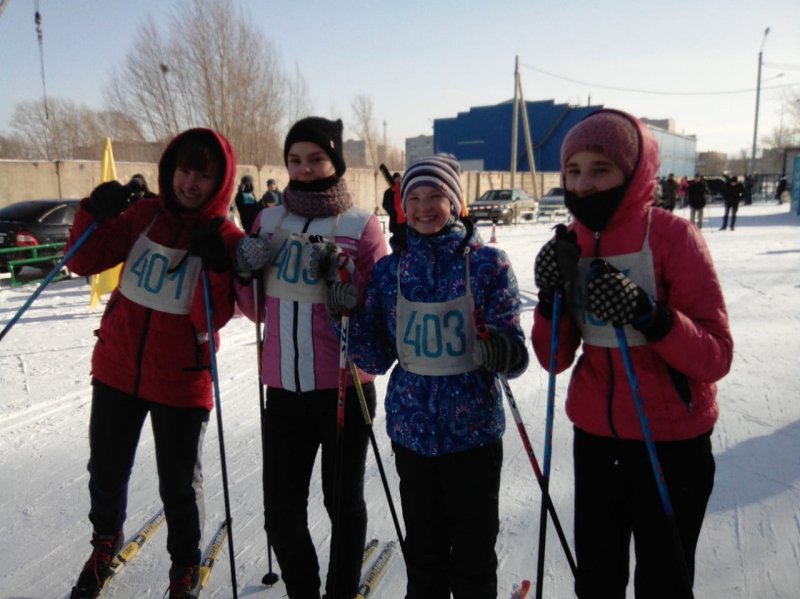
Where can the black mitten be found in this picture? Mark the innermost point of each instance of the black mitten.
(108, 200)
(557, 262)
(614, 298)
(500, 352)
(205, 242)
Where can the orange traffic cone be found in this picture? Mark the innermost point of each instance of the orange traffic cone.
(493, 238)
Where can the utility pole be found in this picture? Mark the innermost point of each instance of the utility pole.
(515, 123)
(385, 149)
(758, 97)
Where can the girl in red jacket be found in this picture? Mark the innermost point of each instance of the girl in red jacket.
(656, 280)
(152, 352)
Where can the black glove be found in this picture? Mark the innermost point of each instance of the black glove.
(342, 297)
(556, 264)
(614, 298)
(108, 200)
(500, 352)
(205, 242)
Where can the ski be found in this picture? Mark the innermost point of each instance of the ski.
(369, 549)
(211, 554)
(520, 591)
(374, 575)
(130, 549)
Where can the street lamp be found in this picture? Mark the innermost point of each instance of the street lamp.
(758, 97)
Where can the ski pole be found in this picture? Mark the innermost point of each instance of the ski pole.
(548, 439)
(344, 277)
(49, 278)
(368, 421)
(270, 577)
(218, 403)
(633, 382)
(526, 442)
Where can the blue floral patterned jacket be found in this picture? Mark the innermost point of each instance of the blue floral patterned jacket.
(437, 415)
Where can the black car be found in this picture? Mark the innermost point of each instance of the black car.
(34, 222)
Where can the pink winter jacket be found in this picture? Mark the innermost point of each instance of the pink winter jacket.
(676, 374)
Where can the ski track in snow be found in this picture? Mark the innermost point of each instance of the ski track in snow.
(749, 546)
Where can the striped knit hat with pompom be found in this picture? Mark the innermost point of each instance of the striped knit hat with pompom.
(441, 171)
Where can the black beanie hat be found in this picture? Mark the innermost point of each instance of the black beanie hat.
(326, 134)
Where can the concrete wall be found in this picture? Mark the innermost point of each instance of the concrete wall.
(28, 180)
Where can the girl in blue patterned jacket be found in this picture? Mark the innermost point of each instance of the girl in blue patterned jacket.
(444, 409)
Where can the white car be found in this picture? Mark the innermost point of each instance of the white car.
(552, 203)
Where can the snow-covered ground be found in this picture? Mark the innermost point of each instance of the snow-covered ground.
(749, 547)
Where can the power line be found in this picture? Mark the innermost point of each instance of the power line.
(654, 92)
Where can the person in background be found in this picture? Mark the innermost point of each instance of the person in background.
(271, 197)
(444, 411)
(392, 205)
(152, 355)
(138, 185)
(246, 203)
(780, 189)
(683, 186)
(625, 265)
(696, 196)
(300, 354)
(733, 194)
(669, 193)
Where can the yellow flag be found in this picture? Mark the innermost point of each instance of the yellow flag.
(107, 280)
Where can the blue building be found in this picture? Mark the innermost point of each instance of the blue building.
(481, 137)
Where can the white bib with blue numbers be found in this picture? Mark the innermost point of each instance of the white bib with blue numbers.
(638, 267)
(285, 277)
(436, 338)
(160, 277)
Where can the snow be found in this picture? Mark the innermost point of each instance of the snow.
(749, 546)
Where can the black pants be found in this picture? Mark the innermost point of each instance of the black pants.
(732, 208)
(450, 510)
(114, 429)
(296, 425)
(616, 496)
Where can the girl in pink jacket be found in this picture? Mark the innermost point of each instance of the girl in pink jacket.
(658, 282)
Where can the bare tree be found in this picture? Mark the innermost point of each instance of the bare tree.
(364, 126)
(212, 68)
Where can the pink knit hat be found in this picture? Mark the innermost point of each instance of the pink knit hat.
(609, 132)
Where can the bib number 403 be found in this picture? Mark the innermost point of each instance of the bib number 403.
(435, 336)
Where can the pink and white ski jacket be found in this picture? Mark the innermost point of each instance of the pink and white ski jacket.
(301, 346)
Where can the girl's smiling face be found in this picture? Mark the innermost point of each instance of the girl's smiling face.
(427, 209)
(590, 172)
(306, 161)
(193, 188)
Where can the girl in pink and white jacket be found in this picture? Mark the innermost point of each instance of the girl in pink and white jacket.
(658, 280)
(300, 355)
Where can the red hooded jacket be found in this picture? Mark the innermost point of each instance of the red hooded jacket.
(151, 354)
(680, 368)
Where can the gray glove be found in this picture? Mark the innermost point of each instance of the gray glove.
(319, 260)
(342, 298)
(252, 255)
(500, 352)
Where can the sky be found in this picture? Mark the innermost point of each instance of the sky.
(420, 60)
(749, 546)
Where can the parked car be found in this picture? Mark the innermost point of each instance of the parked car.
(552, 203)
(501, 206)
(34, 222)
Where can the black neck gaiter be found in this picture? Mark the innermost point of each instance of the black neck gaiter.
(594, 211)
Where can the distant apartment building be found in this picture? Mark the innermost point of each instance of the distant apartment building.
(418, 147)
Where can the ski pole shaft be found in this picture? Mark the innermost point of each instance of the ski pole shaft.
(218, 404)
(548, 439)
(633, 382)
(526, 442)
(270, 577)
(368, 421)
(49, 278)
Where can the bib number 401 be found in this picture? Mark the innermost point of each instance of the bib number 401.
(435, 335)
(152, 271)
